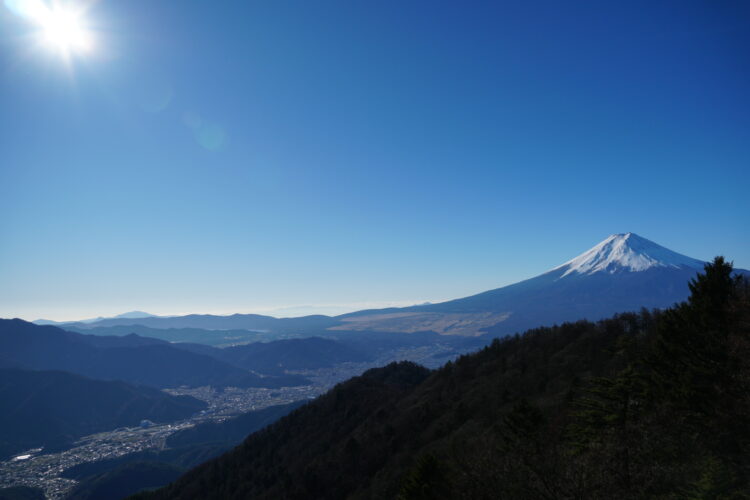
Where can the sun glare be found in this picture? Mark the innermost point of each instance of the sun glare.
(60, 25)
(64, 31)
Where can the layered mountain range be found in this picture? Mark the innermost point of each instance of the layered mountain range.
(52, 409)
(652, 404)
(133, 359)
(56, 385)
(625, 272)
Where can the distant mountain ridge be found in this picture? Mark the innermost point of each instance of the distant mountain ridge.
(130, 358)
(251, 322)
(624, 272)
(127, 315)
(633, 406)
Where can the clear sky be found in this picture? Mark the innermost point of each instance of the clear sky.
(245, 156)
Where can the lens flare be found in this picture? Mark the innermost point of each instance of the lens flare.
(58, 26)
(64, 31)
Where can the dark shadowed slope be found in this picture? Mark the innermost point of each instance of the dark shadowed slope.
(168, 366)
(185, 449)
(233, 430)
(648, 405)
(317, 437)
(21, 493)
(52, 408)
(270, 358)
(124, 481)
(132, 359)
(292, 354)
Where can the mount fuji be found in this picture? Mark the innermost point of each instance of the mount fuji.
(625, 272)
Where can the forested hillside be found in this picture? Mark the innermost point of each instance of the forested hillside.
(53, 408)
(649, 404)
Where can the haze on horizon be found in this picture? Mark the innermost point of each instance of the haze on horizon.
(180, 157)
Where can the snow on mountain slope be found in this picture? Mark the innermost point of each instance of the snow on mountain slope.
(626, 252)
(625, 272)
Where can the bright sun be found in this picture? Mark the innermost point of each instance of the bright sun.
(59, 25)
(64, 31)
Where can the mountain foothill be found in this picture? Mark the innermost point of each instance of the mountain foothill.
(649, 404)
(620, 343)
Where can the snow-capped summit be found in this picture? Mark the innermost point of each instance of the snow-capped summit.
(627, 252)
(622, 273)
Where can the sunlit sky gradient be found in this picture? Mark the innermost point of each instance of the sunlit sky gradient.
(244, 156)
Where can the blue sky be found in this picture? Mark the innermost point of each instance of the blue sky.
(245, 156)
